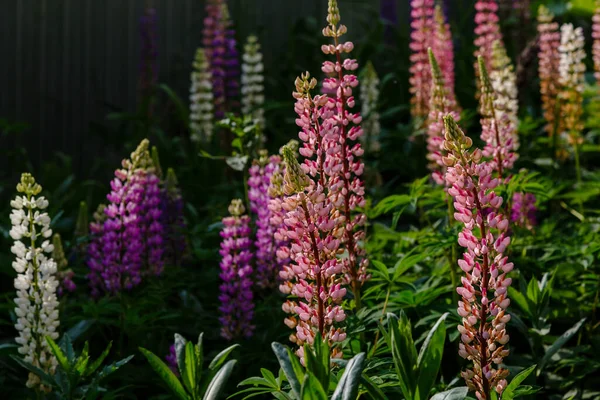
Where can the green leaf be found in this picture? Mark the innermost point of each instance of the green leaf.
(47, 379)
(82, 360)
(459, 393)
(289, 369)
(222, 357)
(269, 377)
(218, 383)
(94, 366)
(111, 368)
(180, 345)
(372, 389)
(404, 353)
(430, 358)
(189, 374)
(79, 329)
(558, 343)
(67, 346)
(166, 374)
(509, 392)
(347, 388)
(312, 389)
(60, 356)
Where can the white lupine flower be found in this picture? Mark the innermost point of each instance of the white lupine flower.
(36, 302)
(504, 82)
(201, 99)
(571, 67)
(252, 81)
(369, 96)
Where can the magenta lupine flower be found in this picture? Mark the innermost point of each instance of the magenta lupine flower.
(258, 194)
(171, 360)
(132, 235)
(443, 49)
(237, 305)
(148, 51)
(220, 47)
(549, 60)
(314, 276)
(343, 166)
(487, 31)
(596, 45)
(485, 285)
(497, 128)
(173, 221)
(523, 210)
(422, 35)
(441, 104)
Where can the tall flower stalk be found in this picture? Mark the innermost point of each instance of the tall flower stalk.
(497, 128)
(36, 302)
(485, 285)
(201, 99)
(253, 81)
(596, 44)
(369, 97)
(237, 306)
(421, 35)
(572, 81)
(314, 276)
(343, 164)
(259, 182)
(487, 31)
(548, 67)
(443, 49)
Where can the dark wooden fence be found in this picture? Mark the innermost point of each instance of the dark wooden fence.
(67, 63)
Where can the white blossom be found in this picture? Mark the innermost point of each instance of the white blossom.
(36, 304)
(369, 96)
(504, 82)
(571, 67)
(201, 99)
(253, 81)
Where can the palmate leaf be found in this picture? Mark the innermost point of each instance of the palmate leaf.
(166, 374)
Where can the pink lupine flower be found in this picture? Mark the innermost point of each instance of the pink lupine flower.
(487, 31)
(343, 166)
(596, 45)
(313, 278)
(443, 49)
(422, 35)
(441, 104)
(497, 129)
(485, 284)
(259, 182)
(237, 305)
(549, 59)
(523, 210)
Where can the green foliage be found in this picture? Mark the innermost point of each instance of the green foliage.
(194, 383)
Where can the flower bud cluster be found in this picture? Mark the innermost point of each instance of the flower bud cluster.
(201, 99)
(549, 60)
(253, 79)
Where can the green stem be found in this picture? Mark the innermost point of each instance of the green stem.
(385, 303)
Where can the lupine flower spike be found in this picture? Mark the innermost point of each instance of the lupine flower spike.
(343, 164)
(596, 45)
(443, 49)
(237, 306)
(369, 97)
(497, 128)
(36, 302)
(504, 82)
(487, 31)
(253, 81)
(572, 81)
(523, 210)
(314, 276)
(549, 60)
(132, 234)
(440, 105)
(421, 39)
(259, 181)
(201, 99)
(64, 274)
(485, 284)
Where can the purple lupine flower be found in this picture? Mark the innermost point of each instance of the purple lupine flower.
(523, 210)
(258, 195)
(237, 306)
(221, 52)
(171, 360)
(148, 51)
(176, 247)
(131, 241)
